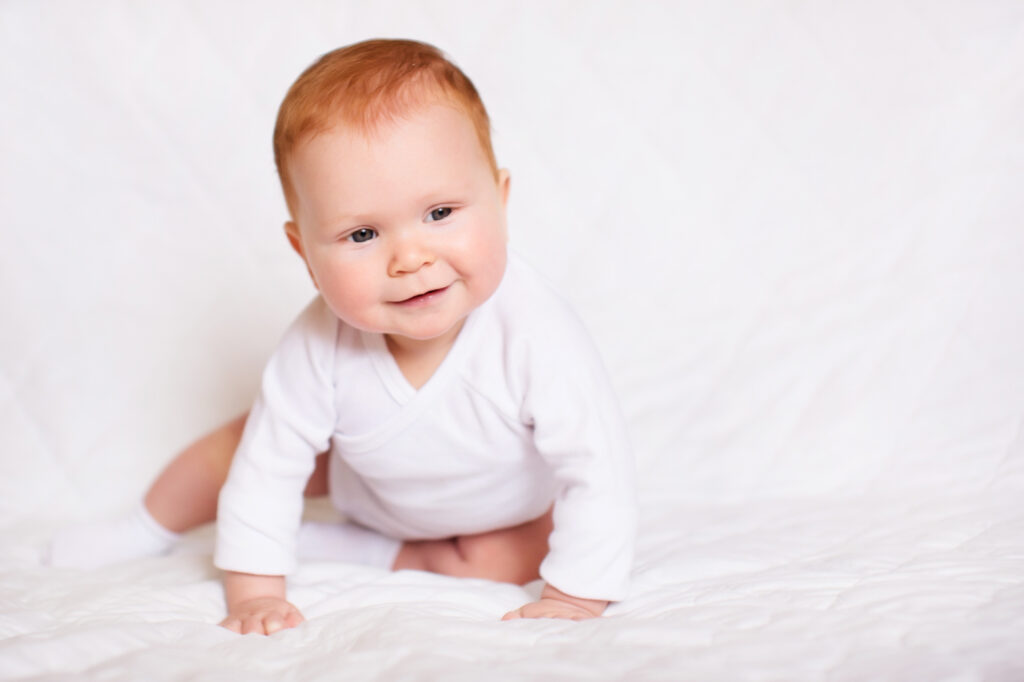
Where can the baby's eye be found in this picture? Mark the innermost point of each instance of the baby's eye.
(439, 214)
(363, 234)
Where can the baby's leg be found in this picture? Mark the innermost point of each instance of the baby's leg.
(511, 555)
(183, 497)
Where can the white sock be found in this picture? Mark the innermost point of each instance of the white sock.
(347, 542)
(91, 545)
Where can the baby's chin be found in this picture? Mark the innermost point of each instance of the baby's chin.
(429, 334)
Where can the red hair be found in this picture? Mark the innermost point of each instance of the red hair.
(369, 83)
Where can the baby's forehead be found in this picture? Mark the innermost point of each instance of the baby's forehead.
(373, 127)
(374, 121)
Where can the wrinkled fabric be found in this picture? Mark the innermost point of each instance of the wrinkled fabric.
(792, 229)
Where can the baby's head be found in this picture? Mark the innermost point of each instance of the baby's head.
(369, 84)
(397, 203)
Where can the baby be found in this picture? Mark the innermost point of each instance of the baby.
(452, 407)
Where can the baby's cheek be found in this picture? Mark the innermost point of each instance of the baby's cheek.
(346, 299)
(495, 254)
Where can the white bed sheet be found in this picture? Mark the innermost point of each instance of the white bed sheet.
(876, 588)
(795, 231)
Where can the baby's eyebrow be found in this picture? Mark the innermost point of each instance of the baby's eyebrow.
(454, 195)
(348, 219)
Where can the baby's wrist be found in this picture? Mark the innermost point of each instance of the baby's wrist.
(243, 587)
(594, 606)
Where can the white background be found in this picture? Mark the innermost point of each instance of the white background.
(794, 229)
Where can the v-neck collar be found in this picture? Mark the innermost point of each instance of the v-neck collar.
(391, 375)
(413, 402)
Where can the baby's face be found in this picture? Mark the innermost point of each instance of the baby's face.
(403, 231)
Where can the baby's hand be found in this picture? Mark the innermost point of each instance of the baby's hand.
(554, 603)
(262, 615)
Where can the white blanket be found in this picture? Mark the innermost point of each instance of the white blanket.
(795, 231)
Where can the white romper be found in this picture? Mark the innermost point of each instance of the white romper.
(519, 414)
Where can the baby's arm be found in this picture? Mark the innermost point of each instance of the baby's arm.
(256, 603)
(260, 505)
(579, 429)
(554, 603)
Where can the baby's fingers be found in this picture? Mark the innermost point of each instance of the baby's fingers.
(262, 616)
(275, 621)
(549, 608)
(272, 623)
(253, 624)
(293, 618)
(233, 624)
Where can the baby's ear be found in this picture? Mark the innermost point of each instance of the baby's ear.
(291, 230)
(504, 180)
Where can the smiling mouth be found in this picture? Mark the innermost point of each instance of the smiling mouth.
(424, 298)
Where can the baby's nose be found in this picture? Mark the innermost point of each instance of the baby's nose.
(409, 255)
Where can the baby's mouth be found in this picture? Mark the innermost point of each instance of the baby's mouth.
(425, 297)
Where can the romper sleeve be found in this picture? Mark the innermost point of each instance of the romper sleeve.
(291, 421)
(579, 429)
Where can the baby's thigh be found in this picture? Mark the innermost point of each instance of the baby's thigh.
(508, 554)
